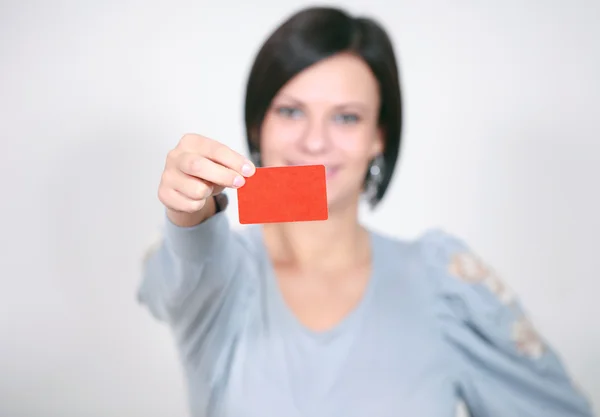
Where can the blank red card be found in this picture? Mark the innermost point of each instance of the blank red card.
(284, 194)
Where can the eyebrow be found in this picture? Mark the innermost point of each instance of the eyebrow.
(360, 105)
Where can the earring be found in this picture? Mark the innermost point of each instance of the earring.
(374, 178)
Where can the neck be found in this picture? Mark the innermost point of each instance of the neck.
(331, 244)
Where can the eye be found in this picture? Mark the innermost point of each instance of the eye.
(347, 118)
(289, 112)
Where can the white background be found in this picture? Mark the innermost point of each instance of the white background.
(501, 147)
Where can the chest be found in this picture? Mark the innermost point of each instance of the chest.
(386, 361)
(320, 300)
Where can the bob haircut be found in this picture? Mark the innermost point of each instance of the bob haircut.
(314, 34)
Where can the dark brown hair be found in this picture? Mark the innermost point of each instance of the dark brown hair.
(314, 34)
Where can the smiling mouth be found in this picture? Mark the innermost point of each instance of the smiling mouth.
(330, 170)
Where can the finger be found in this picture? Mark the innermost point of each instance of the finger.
(174, 200)
(192, 187)
(224, 155)
(210, 171)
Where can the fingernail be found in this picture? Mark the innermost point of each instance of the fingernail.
(238, 181)
(247, 170)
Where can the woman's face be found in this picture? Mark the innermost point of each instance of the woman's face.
(328, 115)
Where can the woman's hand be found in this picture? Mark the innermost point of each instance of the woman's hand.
(195, 170)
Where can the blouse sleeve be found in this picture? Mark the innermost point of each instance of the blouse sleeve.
(504, 367)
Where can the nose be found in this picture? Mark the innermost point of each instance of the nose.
(315, 139)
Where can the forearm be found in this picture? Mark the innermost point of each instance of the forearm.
(179, 264)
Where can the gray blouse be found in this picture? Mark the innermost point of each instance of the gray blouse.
(435, 326)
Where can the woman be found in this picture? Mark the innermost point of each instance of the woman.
(329, 318)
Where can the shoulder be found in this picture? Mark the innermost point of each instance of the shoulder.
(454, 265)
(467, 295)
(438, 251)
(448, 264)
(472, 295)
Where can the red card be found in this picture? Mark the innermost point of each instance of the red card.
(284, 194)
